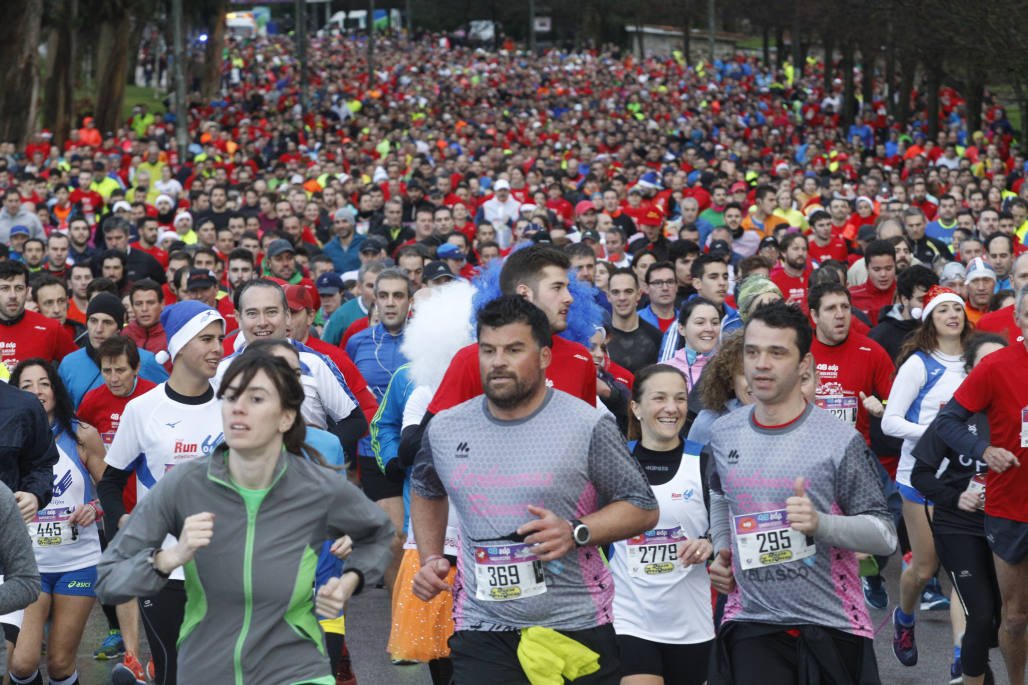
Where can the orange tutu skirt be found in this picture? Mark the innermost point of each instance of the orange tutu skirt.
(420, 629)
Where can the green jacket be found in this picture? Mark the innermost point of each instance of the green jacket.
(251, 590)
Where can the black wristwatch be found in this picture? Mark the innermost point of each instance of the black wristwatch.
(580, 533)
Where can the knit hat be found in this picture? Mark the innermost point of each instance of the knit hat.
(106, 303)
(182, 322)
(752, 287)
(932, 299)
(979, 268)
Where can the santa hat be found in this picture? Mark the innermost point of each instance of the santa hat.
(182, 215)
(932, 299)
(182, 322)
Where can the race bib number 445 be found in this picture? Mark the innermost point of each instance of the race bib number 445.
(51, 528)
(508, 572)
(765, 539)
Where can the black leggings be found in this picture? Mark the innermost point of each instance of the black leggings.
(162, 619)
(968, 560)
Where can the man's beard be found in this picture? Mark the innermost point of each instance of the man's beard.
(515, 394)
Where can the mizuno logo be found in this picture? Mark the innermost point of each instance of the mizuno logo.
(733, 457)
(578, 356)
(173, 424)
(864, 349)
(463, 451)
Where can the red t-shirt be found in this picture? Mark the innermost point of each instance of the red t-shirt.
(870, 299)
(571, 370)
(102, 410)
(354, 328)
(835, 249)
(999, 387)
(354, 380)
(34, 336)
(793, 289)
(228, 312)
(157, 253)
(844, 371)
(1002, 322)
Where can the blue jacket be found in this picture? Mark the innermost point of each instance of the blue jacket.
(81, 374)
(376, 353)
(344, 258)
(387, 425)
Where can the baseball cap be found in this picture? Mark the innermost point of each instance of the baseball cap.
(584, 206)
(344, 213)
(542, 237)
(652, 217)
(449, 251)
(298, 298)
(502, 184)
(979, 268)
(719, 248)
(739, 185)
(329, 283)
(15, 230)
(768, 241)
(280, 246)
(201, 278)
(373, 243)
(592, 234)
(953, 271)
(867, 233)
(435, 270)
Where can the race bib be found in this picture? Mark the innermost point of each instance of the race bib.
(1024, 427)
(508, 572)
(51, 528)
(655, 553)
(976, 486)
(841, 406)
(765, 539)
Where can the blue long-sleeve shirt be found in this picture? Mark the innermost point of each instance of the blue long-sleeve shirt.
(387, 426)
(376, 353)
(81, 374)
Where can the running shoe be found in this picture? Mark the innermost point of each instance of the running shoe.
(149, 669)
(875, 594)
(932, 598)
(128, 672)
(113, 647)
(903, 644)
(956, 672)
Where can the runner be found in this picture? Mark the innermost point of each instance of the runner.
(21, 576)
(931, 367)
(998, 386)
(24, 333)
(788, 566)
(172, 424)
(239, 501)
(64, 537)
(102, 408)
(538, 583)
(958, 526)
(661, 594)
(634, 342)
(699, 323)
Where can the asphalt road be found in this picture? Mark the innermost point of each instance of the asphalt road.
(368, 631)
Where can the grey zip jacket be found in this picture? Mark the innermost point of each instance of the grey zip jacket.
(249, 594)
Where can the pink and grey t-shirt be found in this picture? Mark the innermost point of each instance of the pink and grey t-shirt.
(566, 457)
(784, 577)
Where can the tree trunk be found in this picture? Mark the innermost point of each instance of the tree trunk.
(766, 36)
(828, 41)
(112, 62)
(932, 100)
(216, 44)
(849, 99)
(19, 69)
(890, 71)
(798, 58)
(867, 67)
(1022, 104)
(135, 40)
(639, 37)
(908, 69)
(779, 46)
(687, 32)
(59, 95)
(975, 96)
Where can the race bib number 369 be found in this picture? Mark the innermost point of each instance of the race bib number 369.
(765, 539)
(508, 572)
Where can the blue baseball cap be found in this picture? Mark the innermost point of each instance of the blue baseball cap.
(329, 283)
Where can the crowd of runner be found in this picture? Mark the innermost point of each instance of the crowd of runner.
(650, 369)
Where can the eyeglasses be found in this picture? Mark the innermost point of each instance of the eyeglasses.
(662, 284)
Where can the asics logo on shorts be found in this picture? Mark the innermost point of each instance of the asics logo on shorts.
(79, 583)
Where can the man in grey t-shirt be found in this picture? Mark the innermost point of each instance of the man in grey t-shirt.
(538, 479)
(794, 496)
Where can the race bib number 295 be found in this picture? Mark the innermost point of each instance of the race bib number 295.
(765, 539)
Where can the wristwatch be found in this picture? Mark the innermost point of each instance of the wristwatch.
(152, 560)
(580, 533)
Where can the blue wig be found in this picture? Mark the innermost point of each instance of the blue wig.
(584, 315)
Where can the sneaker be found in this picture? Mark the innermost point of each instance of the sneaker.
(149, 670)
(404, 662)
(956, 672)
(932, 598)
(112, 647)
(875, 594)
(128, 672)
(903, 644)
